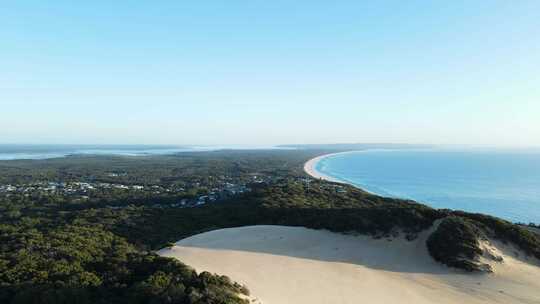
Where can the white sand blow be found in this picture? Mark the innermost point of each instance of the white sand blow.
(282, 264)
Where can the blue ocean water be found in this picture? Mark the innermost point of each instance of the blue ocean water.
(496, 182)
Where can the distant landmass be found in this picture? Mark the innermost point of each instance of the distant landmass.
(37, 151)
(16, 148)
(34, 151)
(357, 146)
(45, 151)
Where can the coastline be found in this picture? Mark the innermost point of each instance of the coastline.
(444, 201)
(309, 168)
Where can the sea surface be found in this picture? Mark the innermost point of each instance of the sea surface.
(12, 152)
(503, 183)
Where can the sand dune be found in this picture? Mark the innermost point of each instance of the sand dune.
(297, 265)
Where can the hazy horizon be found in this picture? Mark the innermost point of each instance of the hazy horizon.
(261, 73)
(255, 146)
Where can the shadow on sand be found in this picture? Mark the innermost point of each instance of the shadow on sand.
(389, 254)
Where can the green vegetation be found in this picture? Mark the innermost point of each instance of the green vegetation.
(57, 249)
(455, 243)
(43, 260)
(184, 169)
(493, 227)
(287, 202)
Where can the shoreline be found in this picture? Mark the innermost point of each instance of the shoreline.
(309, 168)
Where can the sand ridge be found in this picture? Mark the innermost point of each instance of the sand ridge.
(281, 264)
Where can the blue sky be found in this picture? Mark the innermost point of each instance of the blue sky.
(270, 72)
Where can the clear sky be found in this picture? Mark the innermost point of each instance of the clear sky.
(270, 72)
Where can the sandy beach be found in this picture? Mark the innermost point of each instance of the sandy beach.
(310, 165)
(282, 264)
(309, 168)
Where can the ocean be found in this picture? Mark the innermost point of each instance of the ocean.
(503, 183)
(13, 152)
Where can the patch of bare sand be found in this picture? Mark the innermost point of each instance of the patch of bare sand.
(297, 265)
